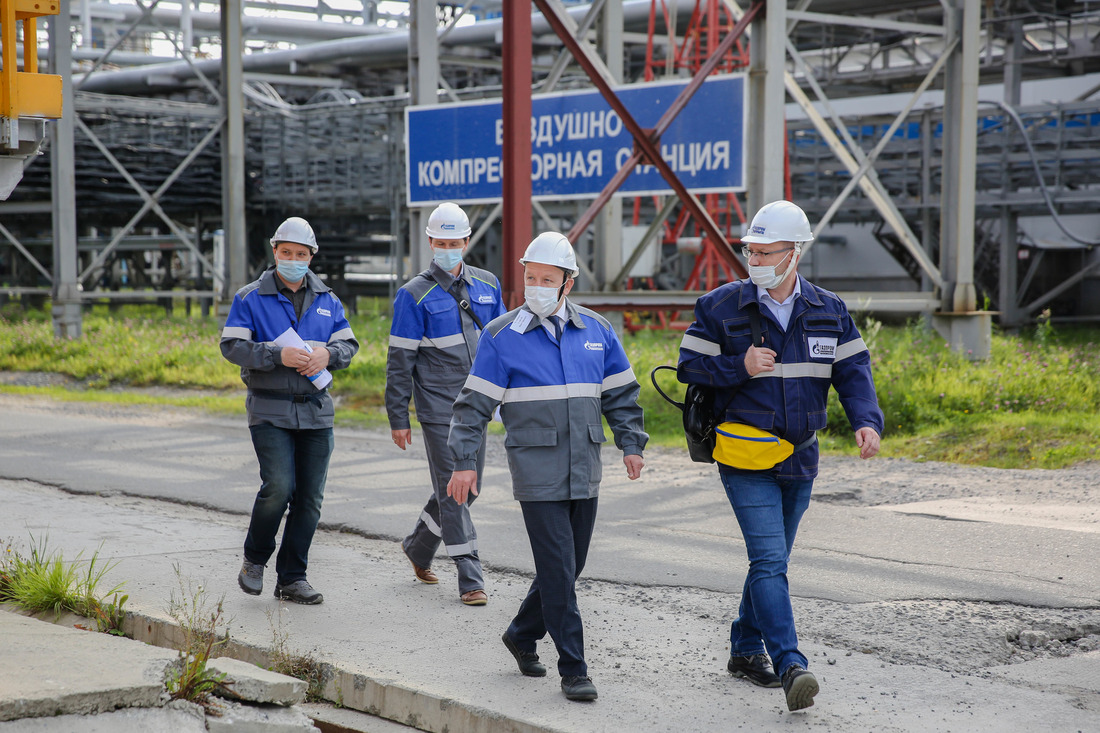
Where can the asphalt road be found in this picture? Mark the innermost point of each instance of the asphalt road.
(672, 527)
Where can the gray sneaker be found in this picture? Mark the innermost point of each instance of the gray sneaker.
(300, 591)
(251, 578)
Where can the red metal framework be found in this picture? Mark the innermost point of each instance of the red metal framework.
(710, 21)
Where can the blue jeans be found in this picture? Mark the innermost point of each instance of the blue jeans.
(768, 511)
(293, 470)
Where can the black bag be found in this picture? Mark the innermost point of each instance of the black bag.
(700, 417)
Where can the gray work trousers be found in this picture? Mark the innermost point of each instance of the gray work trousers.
(444, 520)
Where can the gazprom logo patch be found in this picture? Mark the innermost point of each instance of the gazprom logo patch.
(822, 348)
(324, 312)
(484, 298)
(593, 346)
(757, 230)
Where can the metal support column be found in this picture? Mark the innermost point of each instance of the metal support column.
(67, 315)
(233, 218)
(965, 329)
(517, 146)
(609, 223)
(1008, 277)
(423, 90)
(766, 130)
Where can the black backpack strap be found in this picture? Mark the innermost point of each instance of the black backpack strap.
(757, 340)
(464, 304)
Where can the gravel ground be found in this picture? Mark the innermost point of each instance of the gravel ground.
(954, 636)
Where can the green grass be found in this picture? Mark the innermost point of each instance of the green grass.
(938, 405)
(44, 582)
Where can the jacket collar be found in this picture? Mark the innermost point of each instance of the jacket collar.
(572, 314)
(445, 279)
(808, 291)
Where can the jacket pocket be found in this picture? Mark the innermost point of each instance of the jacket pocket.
(816, 420)
(763, 419)
(596, 434)
(531, 437)
(535, 461)
(738, 333)
(439, 305)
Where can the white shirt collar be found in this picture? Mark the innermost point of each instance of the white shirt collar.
(764, 295)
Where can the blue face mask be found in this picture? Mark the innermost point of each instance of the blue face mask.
(448, 259)
(292, 270)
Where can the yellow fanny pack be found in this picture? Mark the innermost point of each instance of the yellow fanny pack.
(749, 448)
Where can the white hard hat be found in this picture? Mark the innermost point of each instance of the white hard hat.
(296, 230)
(551, 248)
(448, 221)
(779, 221)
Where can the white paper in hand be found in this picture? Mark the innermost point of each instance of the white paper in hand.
(291, 338)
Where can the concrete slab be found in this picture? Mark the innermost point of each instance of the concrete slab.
(331, 719)
(50, 670)
(139, 720)
(251, 683)
(1076, 518)
(234, 717)
(1080, 673)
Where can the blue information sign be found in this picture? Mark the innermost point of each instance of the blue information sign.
(453, 152)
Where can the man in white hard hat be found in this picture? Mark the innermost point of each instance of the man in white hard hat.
(287, 331)
(779, 386)
(554, 369)
(437, 318)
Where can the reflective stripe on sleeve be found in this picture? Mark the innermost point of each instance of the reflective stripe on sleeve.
(485, 387)
(700, 346)
(799, 370)
(444, 342)
(621, 379)
(344, 334)
(856, 346)
(403, 343)
(236, 332)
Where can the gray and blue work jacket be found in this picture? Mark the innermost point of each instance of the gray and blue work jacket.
(278, 395)
(551, 398)
(432, 342)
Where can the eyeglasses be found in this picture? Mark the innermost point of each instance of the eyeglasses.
(749, 252)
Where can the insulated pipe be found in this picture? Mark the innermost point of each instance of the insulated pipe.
(287, 29)
(386, 46)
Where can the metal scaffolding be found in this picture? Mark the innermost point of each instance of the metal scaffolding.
(313, 122)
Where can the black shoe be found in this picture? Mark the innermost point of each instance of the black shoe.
(800, 687)
(300, 591)
(528, 662)
(251, 578)
(757, 669)
(578, 688)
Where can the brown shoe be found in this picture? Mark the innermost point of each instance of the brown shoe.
(424, 575)
(475, 598)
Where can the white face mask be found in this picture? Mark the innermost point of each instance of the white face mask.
(542, 301)
(765, 277)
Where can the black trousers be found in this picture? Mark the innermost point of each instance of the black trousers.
(559, 532)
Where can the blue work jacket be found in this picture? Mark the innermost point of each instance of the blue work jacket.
(259, 314)
(432, 342)
(821, 347)
(551, 397)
